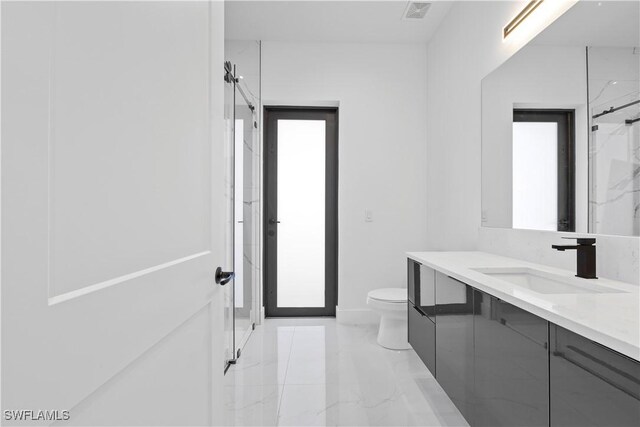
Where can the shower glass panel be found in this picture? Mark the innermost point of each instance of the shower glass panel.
(229, 109)
(246, 139)
(242, 119)
(301, 212)
(614, 152)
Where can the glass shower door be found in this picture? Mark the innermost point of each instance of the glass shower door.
(246, 139)
(229, 123)
(242, 103)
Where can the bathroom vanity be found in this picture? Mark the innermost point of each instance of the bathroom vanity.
(515, 343)
(519, 344)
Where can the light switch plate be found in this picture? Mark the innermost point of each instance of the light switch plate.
(368, 215)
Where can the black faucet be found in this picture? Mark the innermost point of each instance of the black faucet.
(586, 255)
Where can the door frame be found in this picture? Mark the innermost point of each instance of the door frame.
(271, 116)
(565, 119)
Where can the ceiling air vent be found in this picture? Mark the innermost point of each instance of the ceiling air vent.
(416, 10)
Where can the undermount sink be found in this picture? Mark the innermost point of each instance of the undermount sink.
(543, 282)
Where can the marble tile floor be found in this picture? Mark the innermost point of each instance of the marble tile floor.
(313, 371)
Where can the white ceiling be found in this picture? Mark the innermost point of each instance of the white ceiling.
(330, 21)
(595, 23)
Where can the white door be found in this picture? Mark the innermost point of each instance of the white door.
(113, 212)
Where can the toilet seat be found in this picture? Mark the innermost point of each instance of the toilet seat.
(389, 295)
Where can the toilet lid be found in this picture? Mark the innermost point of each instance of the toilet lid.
(389, 294)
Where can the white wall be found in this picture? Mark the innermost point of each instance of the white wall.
(467, 46)
(381, 93)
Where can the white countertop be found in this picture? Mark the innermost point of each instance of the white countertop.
(610, 319)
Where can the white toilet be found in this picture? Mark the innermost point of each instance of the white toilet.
(391, 304)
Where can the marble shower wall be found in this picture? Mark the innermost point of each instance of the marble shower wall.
(245, 55)
(614, 151)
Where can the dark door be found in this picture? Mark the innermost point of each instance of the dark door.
(301, 211)
(563, 139)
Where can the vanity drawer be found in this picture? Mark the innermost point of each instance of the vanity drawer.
(452, 297)
(422, 287)
(422, 337)
(590, 383)
(454, 342)
(511, 365)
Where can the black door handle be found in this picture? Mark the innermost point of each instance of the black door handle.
(223, 277)
(273, 221)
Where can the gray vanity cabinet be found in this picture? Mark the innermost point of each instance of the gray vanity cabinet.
(591, 385)
(422, 337)
(511, 365)
(454, 341)
(504, 366)
(422, 327)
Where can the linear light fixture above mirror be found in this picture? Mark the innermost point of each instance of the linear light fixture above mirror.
(524, 13)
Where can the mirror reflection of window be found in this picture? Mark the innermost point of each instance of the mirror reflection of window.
(543, 163)
(535, 176)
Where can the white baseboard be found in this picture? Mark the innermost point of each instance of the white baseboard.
(356, 316)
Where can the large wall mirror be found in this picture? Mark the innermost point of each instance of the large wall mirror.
(561, 126)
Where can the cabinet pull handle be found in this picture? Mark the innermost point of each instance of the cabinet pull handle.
(419, 311)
